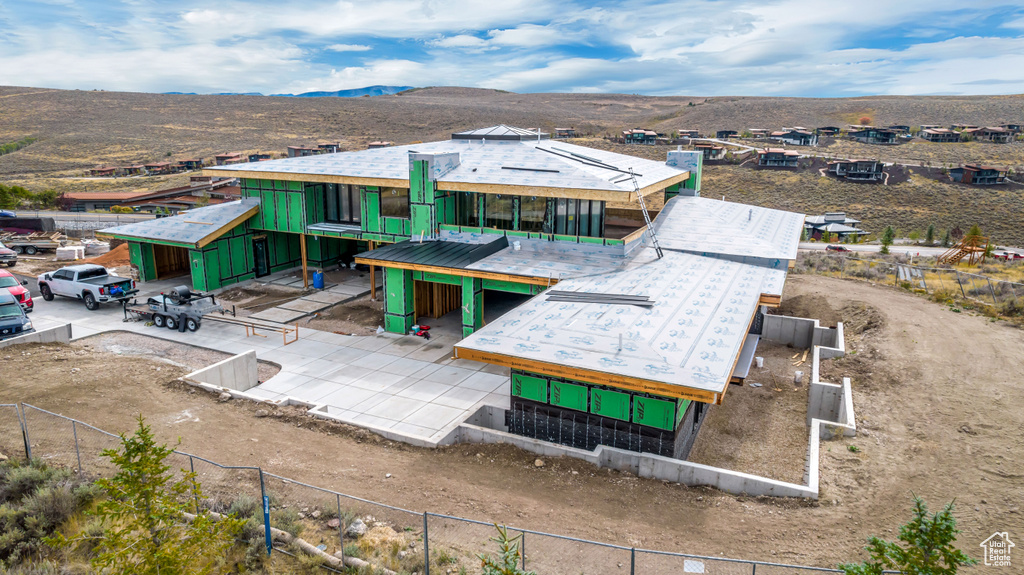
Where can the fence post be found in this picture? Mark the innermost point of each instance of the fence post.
(995, 302)
(522, 549)
(192, 468)
(753, 570)
(78, 454)
(266, 513)
(960, 283)
(341, 529)
(24, 431)
(632, 561)
(426, 547)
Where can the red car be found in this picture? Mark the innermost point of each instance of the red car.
(17, 289)
(831, 248)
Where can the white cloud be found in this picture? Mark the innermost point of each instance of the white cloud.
(697, 47)
(348, 48)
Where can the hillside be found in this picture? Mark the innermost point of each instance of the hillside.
(78, 130)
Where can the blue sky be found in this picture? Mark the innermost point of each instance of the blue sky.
(815, 48)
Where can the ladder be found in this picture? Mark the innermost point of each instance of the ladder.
(647, 216)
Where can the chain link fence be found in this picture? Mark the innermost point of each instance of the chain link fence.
(386, 536)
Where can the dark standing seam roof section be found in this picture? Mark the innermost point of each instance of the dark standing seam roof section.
(441, 254)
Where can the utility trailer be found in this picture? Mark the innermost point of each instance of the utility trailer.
(181, 309)
(31, 244)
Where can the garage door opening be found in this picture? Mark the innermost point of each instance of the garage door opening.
(171, 261)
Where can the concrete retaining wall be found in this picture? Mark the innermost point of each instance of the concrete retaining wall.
(643, 464)
(59, 334)
(239, 373)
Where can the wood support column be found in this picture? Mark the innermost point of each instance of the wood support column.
(302, 250)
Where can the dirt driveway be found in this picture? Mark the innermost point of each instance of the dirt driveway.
(937, 395)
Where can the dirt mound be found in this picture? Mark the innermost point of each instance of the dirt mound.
(860, 317)
(116, 257)
(811, 307)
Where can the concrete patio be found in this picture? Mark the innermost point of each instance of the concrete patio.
(407, 385)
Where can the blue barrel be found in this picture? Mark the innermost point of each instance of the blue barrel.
(318, 279)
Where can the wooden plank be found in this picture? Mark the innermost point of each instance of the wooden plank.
(597, 377)
(532, 280)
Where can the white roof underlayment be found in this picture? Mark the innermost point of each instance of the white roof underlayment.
(726, 229)
(690, 338)
(543, 163)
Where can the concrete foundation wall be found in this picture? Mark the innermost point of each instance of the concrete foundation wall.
(804, 333)
(238, 373)
(59, 334)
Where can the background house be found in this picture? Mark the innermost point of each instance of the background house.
(978, 175)
(777, 157)
(833, 223)
(996, 135)
(795, 137)
(726, 134)
(857, 170)
(939, 135)
(639, 136)
(710, 151)
(872, 135)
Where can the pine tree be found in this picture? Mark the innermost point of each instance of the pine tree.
(929, 236)
(887, 237)
(947, 240)
(146, 531)
(927, 547)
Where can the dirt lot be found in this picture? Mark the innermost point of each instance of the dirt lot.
(760, 430)
(936, 395)
(190, 358)
(358, 317)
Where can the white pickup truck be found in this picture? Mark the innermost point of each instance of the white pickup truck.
(88, 282)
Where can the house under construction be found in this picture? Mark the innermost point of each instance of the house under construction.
(633, 328)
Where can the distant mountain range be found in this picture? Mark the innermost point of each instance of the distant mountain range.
(354, 93)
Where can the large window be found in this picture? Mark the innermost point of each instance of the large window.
(467, 210)
(394, 202)
(342, 204)
(498, 211)
(531, 213)
(579, 217)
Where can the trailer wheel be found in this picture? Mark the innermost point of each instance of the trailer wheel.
(47, 293)
(192, 324)
(170, 322)
(30, 250)
(19, 249)
(158, 320)
(90, 301)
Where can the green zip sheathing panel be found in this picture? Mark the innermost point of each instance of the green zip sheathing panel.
(472, 305)
(654, 412)
(609, 403)
(529, 387)
(399, 304)
(437, 278)
(370, 205)
(322, 252)
(226, 261)
(569, 396)
(141, 256)
(681, 406)
(422, 207)
(513, 287)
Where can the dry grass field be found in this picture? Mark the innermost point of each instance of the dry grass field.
(78, 130)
